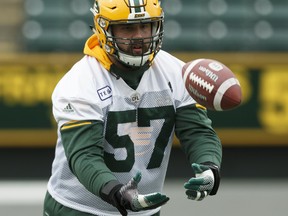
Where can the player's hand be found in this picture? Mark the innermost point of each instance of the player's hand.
(128, 197)
(202, 185)
(134, 201)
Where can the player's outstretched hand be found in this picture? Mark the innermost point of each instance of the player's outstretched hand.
(134, 201)
(200, 186)
(128, 197)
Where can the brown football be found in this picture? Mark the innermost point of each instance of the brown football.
(212, 84)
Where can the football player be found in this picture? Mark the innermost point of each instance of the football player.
(117, 110)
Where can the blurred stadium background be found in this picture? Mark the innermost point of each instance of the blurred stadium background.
(41, 39)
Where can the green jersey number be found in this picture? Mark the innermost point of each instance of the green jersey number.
(143, 117)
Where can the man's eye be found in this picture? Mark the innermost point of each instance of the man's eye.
(126, 27)
(146, 26)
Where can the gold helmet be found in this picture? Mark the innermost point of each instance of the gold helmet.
(113, 12)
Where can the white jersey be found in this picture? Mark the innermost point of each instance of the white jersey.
(139, 127)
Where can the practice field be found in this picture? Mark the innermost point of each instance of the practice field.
(236, 197)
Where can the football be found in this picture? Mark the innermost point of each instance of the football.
(212, 84)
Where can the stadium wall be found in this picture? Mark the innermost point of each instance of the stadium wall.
(254, 135)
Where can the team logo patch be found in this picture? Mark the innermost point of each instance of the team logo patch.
(104, 93)
(135, 97)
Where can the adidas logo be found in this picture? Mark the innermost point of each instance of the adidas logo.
(68, 108)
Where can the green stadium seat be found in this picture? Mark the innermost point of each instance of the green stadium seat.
(239, 21)
(190, 25)
(57, 22)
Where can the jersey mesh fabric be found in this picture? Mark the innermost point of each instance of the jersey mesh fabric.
(139, 127)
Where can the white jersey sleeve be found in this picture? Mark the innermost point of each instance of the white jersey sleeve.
(76, 96)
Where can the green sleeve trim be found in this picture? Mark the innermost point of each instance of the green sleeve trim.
(198, 139)
(83, 144)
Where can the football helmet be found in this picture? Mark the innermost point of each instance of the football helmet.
(117, 12)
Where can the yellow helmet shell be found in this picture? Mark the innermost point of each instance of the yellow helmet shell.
(113, 12)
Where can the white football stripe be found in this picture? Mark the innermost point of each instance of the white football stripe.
(221, 91)
(132, 4)
(132, 8)
(188, 69)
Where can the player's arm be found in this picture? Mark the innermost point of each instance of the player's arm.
(83, 145)
(203, 149)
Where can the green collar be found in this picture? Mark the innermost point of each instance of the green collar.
(131, 77)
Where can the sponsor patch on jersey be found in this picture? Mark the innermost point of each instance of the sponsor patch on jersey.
(68, 108)
(104, 93)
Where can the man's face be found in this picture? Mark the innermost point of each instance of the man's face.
(133, 39)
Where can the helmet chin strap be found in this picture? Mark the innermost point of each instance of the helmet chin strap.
(134, 61)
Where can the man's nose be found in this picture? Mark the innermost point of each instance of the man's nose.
(138, 32)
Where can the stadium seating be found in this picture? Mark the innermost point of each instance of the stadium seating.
(56, 25)
(219, 25)
(190, 25)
